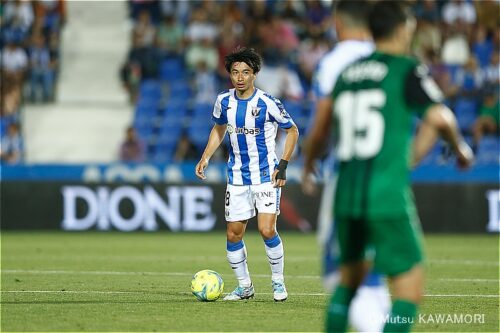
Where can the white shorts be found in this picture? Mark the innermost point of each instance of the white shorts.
(242, 200)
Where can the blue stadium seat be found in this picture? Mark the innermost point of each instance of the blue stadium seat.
(202, 110)
(172, 69)
(488, 150)
(180, 89)
(150, 90)
(294, 108)
(175, 112)
(163, 154)
(465, 110)
(169, 135)
(198, 132)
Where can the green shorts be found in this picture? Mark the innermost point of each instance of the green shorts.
(397, 242)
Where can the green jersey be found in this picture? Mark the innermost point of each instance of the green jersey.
(374, 103)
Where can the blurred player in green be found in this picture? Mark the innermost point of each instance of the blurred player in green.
(376, 220)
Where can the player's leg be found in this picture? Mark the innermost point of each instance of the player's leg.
(267, 203)
(370, 305)
(399, 255)
(351, 235)
(239, 209)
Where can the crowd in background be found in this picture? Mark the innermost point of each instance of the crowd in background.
(175, 68)
(458, 40)
(29, 60)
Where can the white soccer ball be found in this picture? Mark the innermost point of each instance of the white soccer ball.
(207, 285)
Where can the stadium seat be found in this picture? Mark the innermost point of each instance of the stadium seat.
(488, 151)
(198, 132)
(180, 89)
(172, 69)
(202, 111)
(465, 111)
(150, 90)
(175, 112)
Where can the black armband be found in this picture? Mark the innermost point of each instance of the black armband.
(282, 170)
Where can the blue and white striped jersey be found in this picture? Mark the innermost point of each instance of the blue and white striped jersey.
(252, 125)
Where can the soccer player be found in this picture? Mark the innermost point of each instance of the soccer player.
(373, 103)
(251, 117)
(355, 42)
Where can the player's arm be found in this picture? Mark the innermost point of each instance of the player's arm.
(316, 141)
(422, 93)
(279, 175)
(214, 141)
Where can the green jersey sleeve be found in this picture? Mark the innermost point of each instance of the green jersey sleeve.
(421, 91)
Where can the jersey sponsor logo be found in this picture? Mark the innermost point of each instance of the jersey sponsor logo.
(265, 194)
(242, 130)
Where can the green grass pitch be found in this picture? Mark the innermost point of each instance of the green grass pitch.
(92, 281)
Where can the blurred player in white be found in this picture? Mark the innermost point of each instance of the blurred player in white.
(251, 117)
(372, 301)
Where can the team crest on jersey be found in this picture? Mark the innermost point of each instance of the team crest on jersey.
(255, 112)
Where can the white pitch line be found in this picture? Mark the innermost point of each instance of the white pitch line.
(470, 280)
(150, 292)
(464, 262)
(70, 272)
(15, 271)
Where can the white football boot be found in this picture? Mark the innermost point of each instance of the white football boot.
(240, 293)
(279, 289)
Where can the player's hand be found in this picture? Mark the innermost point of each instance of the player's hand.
(200, 168)
(308, 185)
(465, 156)
(279, 174)
(277, 182)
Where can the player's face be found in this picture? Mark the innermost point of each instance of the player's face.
(242, 77)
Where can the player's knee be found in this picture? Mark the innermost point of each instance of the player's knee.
(267, 232)
(234, 236)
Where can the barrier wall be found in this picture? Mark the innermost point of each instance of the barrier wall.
(75, 206)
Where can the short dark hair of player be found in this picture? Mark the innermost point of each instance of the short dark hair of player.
(246, 55)
(354, 12)
(385, 17)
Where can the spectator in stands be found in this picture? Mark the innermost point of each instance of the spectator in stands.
(18, 15)
(144, 29)
(205, 82)
(143, 63)
(186, 150)
(461, 13)
(311, 50)
(200, 27)
(482, 47)
(427, 10)
(132, 149)
(492, 72)
(42, 68)
(170, 36)
(487, 13)
(469, 80)
(11, 150)
(427, 38)
(202, 50)
(488, 121)
(51, 15)
(14, 65)
(455, 49)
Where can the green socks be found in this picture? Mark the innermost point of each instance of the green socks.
(402, 316)
(338, 309)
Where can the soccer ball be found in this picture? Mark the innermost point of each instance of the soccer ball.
(207, 285)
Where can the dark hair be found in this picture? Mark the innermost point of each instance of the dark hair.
(385, 17)
(356, 10)
(246, 55)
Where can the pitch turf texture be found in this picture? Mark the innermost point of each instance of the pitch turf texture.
(140, 282)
